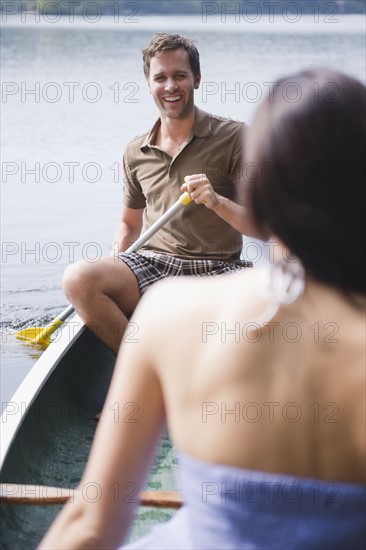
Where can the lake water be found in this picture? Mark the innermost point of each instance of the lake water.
(73, 95)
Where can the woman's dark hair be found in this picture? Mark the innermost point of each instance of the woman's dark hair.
(306, 151)
(162, 41)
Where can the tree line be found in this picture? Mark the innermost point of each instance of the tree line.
(226, 8)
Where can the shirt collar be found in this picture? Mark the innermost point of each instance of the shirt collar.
(201, 128)
(202, 124)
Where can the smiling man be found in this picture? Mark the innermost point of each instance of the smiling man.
(186, 150)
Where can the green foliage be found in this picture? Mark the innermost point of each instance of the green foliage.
(184, 7)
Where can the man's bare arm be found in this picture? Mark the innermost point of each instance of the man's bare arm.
(238, 217)
(128, 229)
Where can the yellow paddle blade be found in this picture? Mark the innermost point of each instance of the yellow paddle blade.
(33, 336)
(40, 336)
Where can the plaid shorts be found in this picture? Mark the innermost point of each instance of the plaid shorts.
(150, 267)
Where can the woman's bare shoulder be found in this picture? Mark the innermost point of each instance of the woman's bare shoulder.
(188, 297)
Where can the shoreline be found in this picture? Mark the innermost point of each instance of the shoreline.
(264, 22)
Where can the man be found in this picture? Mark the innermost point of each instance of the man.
(186, 150)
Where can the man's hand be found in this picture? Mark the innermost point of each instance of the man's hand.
(200, 190)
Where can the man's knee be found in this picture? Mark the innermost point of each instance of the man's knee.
(78, 279)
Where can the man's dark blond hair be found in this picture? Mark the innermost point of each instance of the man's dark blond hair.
(162, 41)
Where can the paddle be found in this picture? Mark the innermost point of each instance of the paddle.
(42, 495)
(41, 335)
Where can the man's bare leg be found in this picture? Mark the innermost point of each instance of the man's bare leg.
(101, 294)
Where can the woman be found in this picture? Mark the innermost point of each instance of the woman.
(260, 375)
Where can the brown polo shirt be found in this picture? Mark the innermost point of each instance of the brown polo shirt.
(153, 180)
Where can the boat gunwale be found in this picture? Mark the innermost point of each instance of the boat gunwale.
(25, 395)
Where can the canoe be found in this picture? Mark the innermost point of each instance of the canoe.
(48, 427)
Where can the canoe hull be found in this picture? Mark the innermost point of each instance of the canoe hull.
(50, 442)
(47, 430)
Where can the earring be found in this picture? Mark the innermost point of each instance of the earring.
(283, 282)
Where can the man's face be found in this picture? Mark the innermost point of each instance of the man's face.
(172, 84)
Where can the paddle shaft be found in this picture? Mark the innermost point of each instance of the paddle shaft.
(163, 220)
(183, 201)
(42, 495)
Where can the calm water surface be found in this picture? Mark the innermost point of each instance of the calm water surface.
(74, 95)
